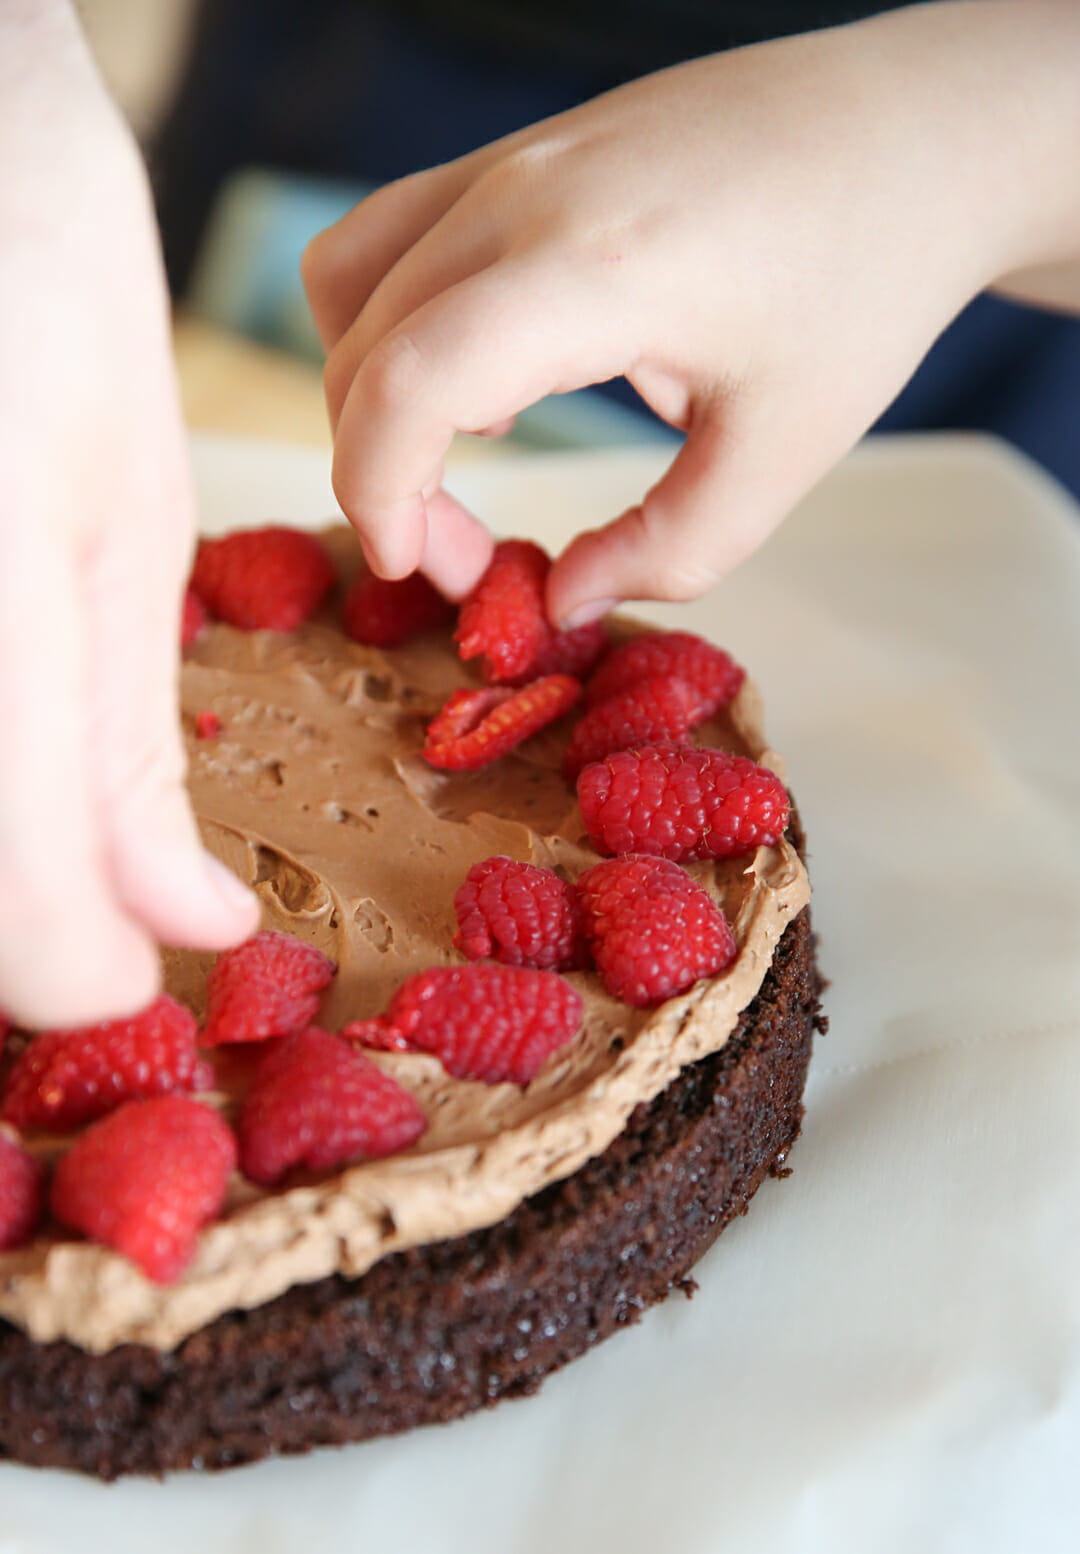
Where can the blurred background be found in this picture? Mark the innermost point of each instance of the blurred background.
(264, 120)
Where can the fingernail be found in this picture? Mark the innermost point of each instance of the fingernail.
(582, 614)
(233, 892)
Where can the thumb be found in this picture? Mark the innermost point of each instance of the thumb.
(708, 512)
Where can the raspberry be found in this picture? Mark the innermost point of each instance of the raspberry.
(66, 1078)
(674, 802)
(267, 986)
(270, 579)
(477, 727)
(22, 1193)
(317, 1102)
(504, 620)
(207, 724)
(617, 882)
(709, 669)
(654, 932)
(385, 613)
(493, 1023)
(375, 1034)
(569, 652)
(145, 1180)
(654, 711)
(193, 618)
(520, 915)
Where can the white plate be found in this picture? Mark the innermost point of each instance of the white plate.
(885, 1354)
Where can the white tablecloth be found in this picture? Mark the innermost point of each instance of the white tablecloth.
(885, 1354)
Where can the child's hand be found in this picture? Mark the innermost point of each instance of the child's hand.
(764, 242)
(99, 854)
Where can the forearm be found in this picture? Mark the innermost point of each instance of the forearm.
(1006, 77)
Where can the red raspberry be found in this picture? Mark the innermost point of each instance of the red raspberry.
(709, 669)
(267, 986)
(145, 1180)
(504, 620)
(22, 1194)
(193, 618)
(270, 579)
(376, 1034)
(317, 1102)
(569, 652)
(477, 727)
(654, 711)
(608, 887)
(207, 724)
(520, 915)
(385, 613)
(66, 1078)
(675, 802)
(493, 1023)
(654, 932)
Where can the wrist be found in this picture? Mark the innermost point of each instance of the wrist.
(992, 95)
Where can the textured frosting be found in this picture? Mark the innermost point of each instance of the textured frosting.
(315, 793)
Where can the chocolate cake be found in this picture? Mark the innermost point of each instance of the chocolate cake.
(527, 1223)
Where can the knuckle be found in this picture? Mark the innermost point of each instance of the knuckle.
(395, 372)
(516, 177)
(683, 570)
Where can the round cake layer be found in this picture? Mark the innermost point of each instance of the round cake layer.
(316, 793)
(437, 1331)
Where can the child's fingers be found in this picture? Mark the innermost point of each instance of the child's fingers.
(458, 245)
(68, 953)
(160, 873)
(458, 546)
(448, 368)
(721, 496)
(342, 265)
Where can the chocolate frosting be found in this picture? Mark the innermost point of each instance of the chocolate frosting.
(315, 793)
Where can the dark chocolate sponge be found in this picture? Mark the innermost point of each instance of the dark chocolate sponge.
(432, 1333)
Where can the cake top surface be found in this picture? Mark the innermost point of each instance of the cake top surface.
(315, 792)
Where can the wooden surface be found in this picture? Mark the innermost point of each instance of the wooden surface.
(231, 385)
(236, 387)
